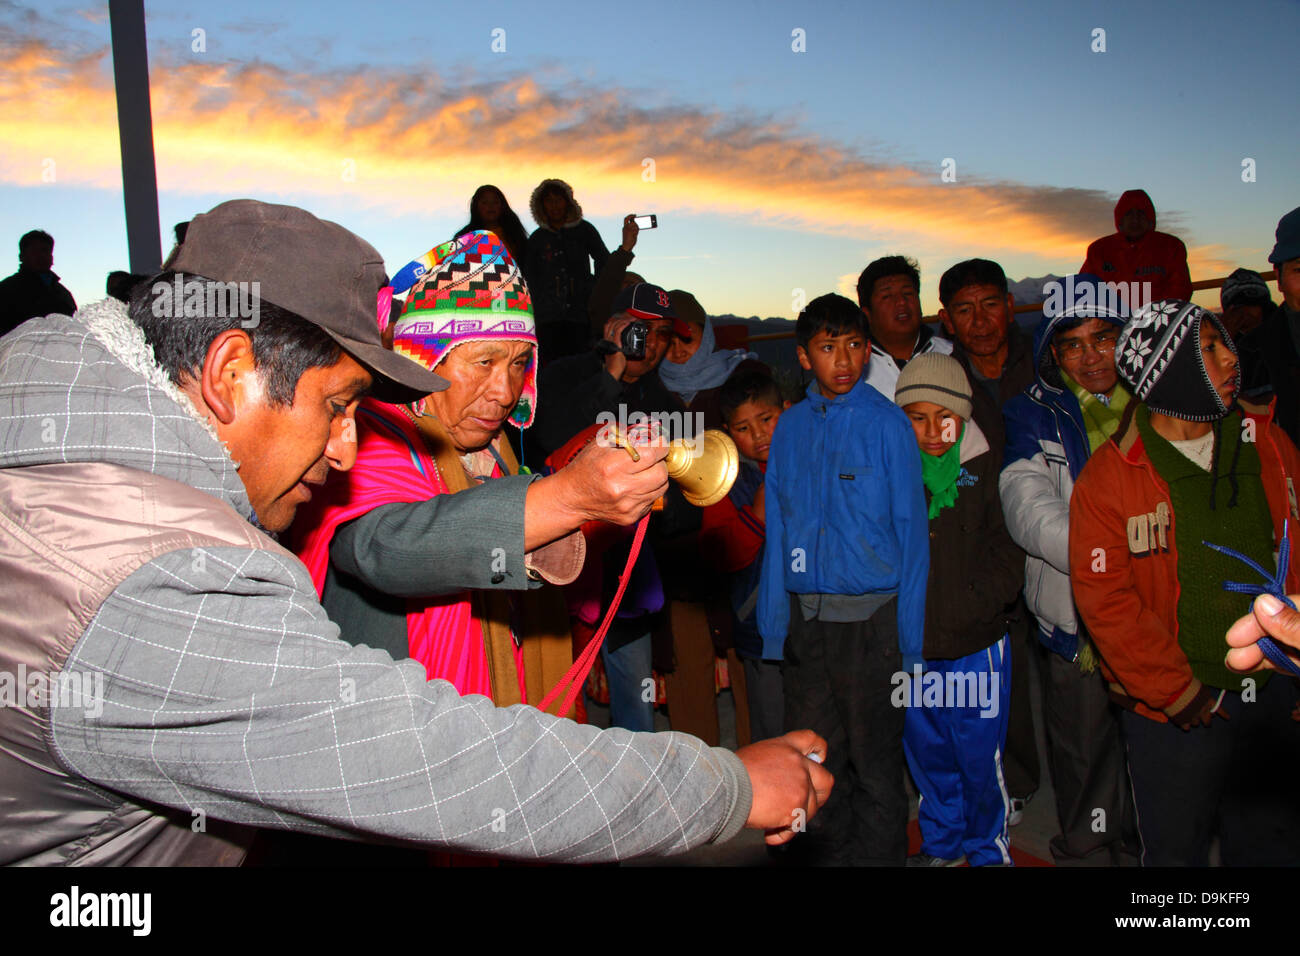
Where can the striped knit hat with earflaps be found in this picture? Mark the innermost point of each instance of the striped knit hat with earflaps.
(1159, 358)
(467, 290)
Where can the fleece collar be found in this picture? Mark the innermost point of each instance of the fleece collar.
(95, 376)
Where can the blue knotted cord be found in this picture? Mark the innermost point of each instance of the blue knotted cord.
(1276, 586)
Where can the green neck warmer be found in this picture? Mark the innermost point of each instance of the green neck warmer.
(1099, 419)
(939, 472)
(1205, 610)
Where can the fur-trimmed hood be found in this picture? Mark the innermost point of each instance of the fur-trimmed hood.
(539, 215)
(86, 388)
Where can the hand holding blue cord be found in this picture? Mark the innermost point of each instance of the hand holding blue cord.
(1273, 618)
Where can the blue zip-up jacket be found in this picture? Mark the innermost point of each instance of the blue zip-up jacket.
(1046, 448)
(845, 512)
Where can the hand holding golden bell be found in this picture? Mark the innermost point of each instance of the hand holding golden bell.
(705, 468)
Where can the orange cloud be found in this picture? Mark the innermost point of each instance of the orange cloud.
(404, 142)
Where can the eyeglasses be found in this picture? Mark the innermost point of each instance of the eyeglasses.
(1104, 344)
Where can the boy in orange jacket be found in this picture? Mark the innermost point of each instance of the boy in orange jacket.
(1186, 465)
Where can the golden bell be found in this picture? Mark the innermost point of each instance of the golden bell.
(704, 469)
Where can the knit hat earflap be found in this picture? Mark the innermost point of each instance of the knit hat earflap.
(1158, 356)
(468, 290)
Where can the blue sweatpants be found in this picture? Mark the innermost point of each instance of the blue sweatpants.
(955, 755)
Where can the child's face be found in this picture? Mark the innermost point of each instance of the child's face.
(836, 361)
(751, 427)
(1220, 362)
(937, 428)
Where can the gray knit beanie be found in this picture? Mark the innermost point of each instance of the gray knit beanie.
(934, 377)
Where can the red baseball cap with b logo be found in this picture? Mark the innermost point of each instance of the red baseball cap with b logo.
(646, 301)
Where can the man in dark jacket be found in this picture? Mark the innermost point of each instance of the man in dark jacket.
(613, 277)
(1270, 354)
(600, 385)
(979, 315)
(34, 290)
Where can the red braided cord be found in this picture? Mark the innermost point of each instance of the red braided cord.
(577, 674)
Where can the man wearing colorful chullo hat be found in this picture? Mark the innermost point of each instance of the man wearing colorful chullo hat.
(1190, 464)
(954, 746)
(430, 547)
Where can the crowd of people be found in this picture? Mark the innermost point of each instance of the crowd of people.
(325, 572)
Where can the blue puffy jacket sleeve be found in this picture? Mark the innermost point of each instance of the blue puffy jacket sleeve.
(773, 615)
(912, 525)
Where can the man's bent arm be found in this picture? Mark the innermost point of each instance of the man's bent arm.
(227, 690)
(471, 540)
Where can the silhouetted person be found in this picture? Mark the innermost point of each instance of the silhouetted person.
(119, 284)
(34, 290)
(560, 257)
(1245, 300)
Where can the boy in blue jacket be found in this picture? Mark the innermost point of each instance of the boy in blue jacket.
(842, 592)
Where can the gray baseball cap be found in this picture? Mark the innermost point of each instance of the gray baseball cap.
(313, 268)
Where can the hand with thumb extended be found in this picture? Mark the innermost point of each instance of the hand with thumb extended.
(1268, 617)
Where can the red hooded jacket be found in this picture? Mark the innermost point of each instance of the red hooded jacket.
(1157, 257)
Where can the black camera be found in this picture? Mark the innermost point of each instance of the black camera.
(631, 342)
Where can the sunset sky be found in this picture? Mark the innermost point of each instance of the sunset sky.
(774, 170)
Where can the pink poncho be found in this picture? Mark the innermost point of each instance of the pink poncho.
(393, 465)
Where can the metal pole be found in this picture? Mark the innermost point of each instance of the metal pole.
(135, 133)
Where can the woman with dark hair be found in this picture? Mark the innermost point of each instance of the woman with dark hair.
(489, 210)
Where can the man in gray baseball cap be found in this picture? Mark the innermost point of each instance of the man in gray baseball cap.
(172, 678)
(311, 267)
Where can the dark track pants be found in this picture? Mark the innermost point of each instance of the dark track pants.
(1085, 755)
(838, 682)
(1020, 758)
(1237, 777)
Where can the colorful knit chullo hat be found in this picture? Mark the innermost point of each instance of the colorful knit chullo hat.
(467, 290)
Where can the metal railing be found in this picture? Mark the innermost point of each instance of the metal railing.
(1028, 307)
